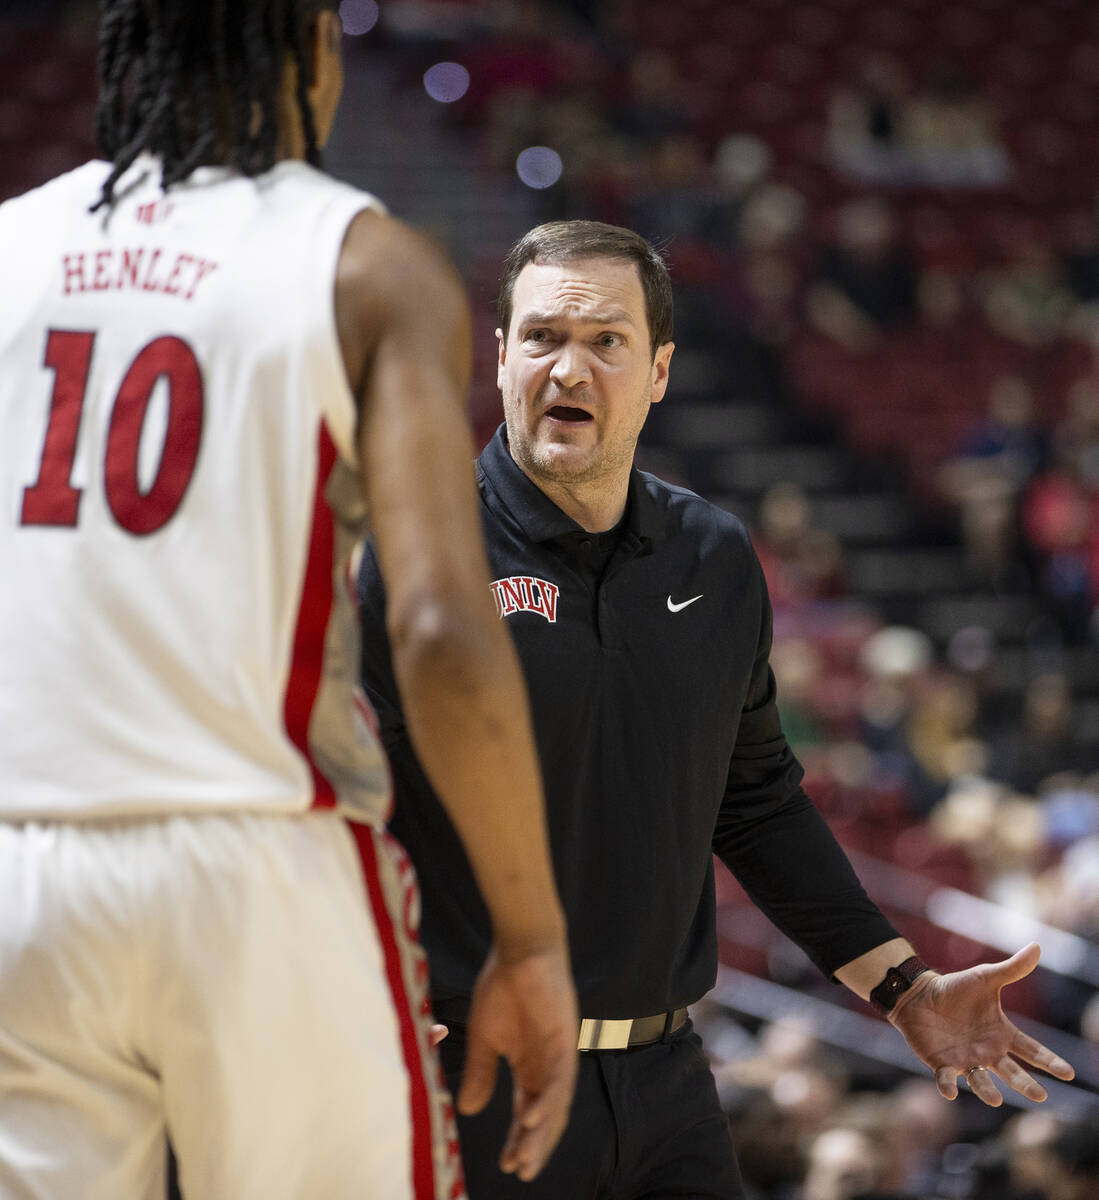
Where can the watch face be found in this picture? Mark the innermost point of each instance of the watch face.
(897, 980)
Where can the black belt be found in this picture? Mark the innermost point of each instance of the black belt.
(636, 1031)
(594, 1034)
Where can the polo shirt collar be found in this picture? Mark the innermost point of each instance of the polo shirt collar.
(540, 519)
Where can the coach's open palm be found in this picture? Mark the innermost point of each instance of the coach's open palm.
(524, 1009)
(954, 1024)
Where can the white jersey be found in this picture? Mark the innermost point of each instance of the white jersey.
(178, 500)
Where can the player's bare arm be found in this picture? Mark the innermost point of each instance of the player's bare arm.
(404, 327)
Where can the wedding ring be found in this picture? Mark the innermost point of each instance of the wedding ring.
(972, 1070)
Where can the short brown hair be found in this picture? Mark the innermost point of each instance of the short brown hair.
(564, 241)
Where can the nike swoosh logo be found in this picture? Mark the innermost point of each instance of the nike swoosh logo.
(677, 607)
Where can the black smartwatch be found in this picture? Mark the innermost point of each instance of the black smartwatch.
(897, 981)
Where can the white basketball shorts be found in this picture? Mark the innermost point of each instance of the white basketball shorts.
(251, 984)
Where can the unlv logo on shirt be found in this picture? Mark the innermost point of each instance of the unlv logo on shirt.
(522, 593)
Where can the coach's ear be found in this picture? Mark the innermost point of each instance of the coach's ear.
(502, 359)
(658, 380)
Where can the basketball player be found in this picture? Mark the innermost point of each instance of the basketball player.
(205, 344)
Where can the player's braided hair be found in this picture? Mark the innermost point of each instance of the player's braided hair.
(196, 81)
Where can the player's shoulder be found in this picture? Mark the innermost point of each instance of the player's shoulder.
(291, 180)
(80, 185)
(378, 241)
(684, 512)
(385, 263)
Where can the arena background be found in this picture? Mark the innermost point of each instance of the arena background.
(883, 226)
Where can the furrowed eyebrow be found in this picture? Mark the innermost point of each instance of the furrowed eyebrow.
(612, 317)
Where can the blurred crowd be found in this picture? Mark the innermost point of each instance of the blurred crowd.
(885, 724)
(808, 1127)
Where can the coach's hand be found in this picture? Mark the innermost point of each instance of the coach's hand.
(954, 1024)
(524, 1008)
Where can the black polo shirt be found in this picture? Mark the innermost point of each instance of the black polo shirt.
(646, 656)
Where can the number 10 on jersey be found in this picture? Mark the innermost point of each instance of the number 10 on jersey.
(53, 499)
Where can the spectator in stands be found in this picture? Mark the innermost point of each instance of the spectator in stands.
(652, 107)
(755, 301)
(941, 735)
(779, 1099)
(950, 134)
(865, 122)
(772, 1161)
(1042, 743)
(1028, 1139)
(767, 273)
(1076, 435)
(799, 675)
(985, 477)
(898, 663)
(741, 166)
(783, 1045)
(989, 525)
(917, 1131)
(575, 125)
(843, 1164)
(1068, 891)
(1008, 442)
(1081, 259)
(1070, 808)
(941, 294)
(809, 1096)
(1002, 834)
(1061, 523)
(801, 563)
(943, 134)
(1074, 1171)
(1089, 1022)
(865, 282)
(1025, 298)
(725, 1039)
(675, 198)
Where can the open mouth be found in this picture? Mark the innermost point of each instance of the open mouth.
(564, 412)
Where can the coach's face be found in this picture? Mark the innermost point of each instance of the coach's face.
(576, 370)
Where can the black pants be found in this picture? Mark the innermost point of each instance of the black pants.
(645, 1125)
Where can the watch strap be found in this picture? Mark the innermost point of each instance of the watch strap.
(897, 981)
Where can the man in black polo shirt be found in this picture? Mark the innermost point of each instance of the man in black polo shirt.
(642, 621)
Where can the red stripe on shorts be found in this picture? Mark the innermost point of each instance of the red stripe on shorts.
(423, 1164)
(314, 610)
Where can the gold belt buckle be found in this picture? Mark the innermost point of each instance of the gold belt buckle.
(604, 1035)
